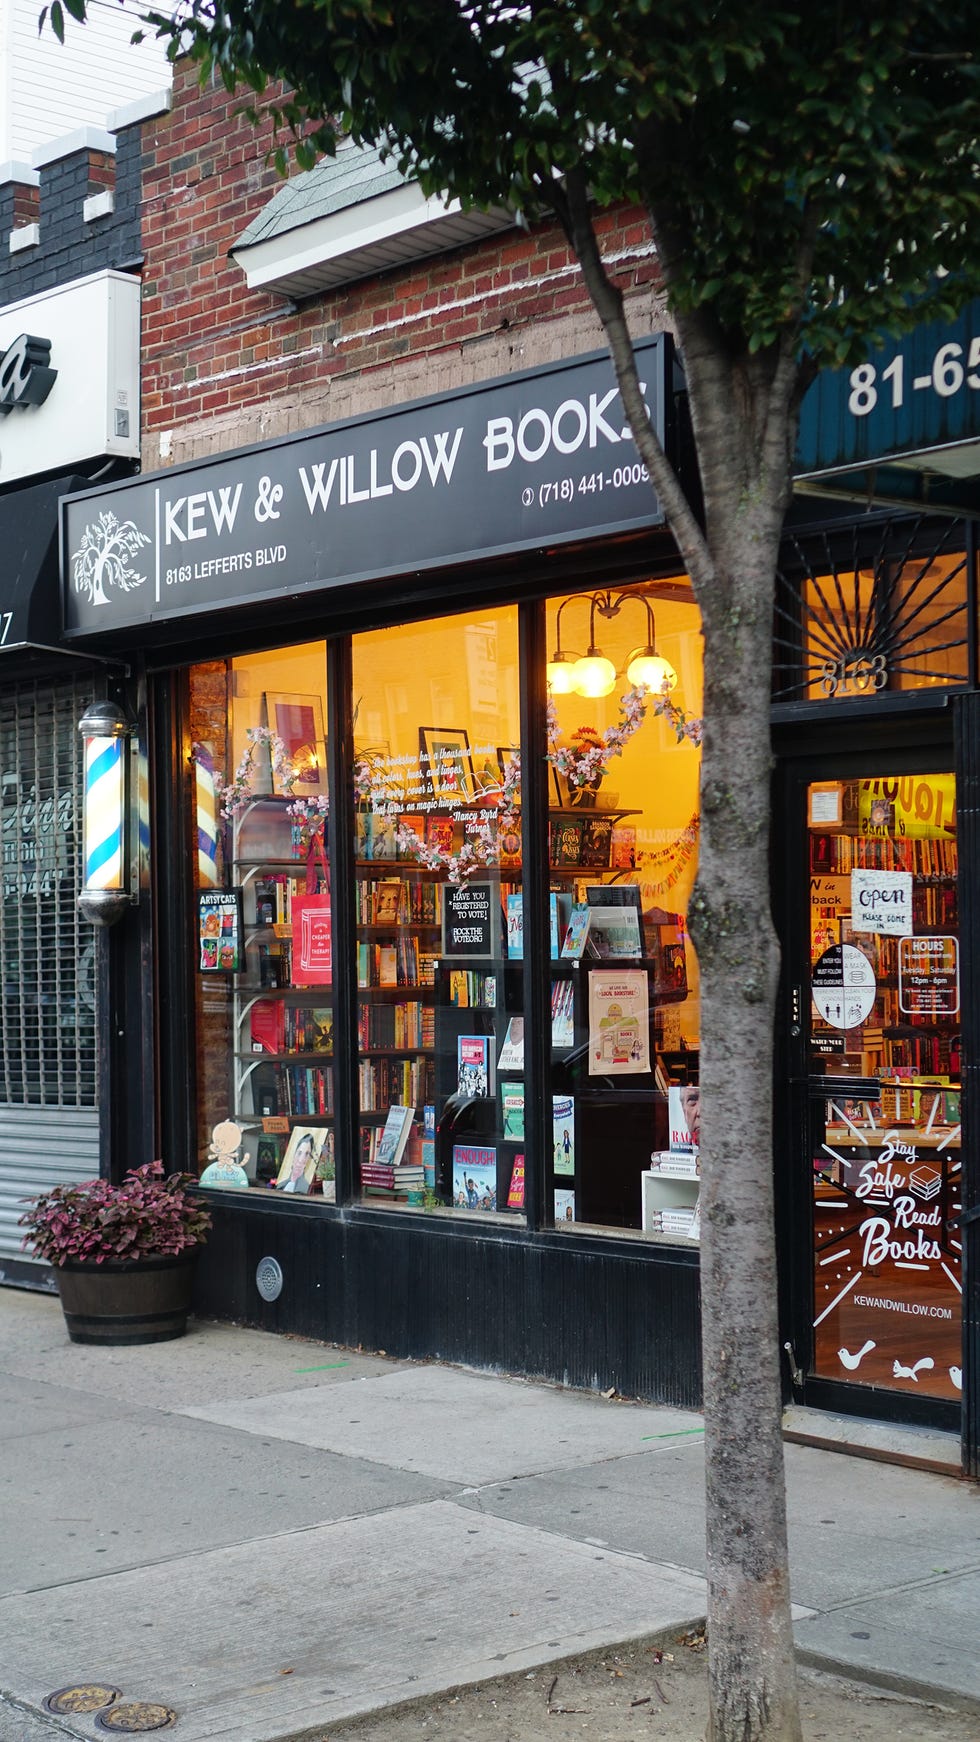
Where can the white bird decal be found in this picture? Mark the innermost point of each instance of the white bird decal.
(900, 1372)
(851, 1361)
(956, 1375)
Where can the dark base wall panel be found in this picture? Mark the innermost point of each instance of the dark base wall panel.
(584, 1313)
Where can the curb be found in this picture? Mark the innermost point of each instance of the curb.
(891, 1682)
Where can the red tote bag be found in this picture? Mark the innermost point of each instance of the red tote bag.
(312, 934)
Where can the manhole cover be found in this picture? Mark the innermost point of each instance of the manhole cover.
(268, 1278)
(135, 1717)
(87, 1697)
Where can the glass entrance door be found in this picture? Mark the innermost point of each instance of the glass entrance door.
(884, 1084)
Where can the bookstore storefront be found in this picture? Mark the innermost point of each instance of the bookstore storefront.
(427, 1008)
(425, 710)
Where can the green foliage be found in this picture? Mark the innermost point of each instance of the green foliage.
(807, 170)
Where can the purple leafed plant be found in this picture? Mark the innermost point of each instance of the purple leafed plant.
(151, 1215)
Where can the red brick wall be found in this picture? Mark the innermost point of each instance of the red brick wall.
(223, 364)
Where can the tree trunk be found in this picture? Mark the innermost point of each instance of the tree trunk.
(743, 411)
(751, 1656)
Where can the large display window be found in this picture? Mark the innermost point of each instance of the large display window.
(439, 904)
(262, 922)
(624, 732)
(433, 920)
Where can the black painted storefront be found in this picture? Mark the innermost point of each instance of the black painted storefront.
(586, 1309)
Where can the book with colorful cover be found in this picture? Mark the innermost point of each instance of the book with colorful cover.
(474, 1066)
(267, 1025)
(386, 901)
(512, 1111)
(439, 832)
(474, 1177)
(577, 934)
(363, 829)
(562, 1013)
(622, 856)
(615, 932)
(410, 825)
(509, 846)
(512, 1048)
(564, 1205)
(566, 843)
(515, 926)
(394, 1137)
(383, 843)
(684, 1117)
(596, 841)
(563, 1133)
(429, 1145)
(515, 1191)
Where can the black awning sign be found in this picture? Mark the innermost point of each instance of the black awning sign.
(535, 459)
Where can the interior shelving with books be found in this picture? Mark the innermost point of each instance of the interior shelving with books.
(399, 921)
(906, 1022)
(444, 1035)
(617, 1110)
(282, 1070)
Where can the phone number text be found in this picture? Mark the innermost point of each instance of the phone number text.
(566, 489)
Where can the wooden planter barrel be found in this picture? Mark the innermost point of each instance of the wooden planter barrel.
(142, 1301)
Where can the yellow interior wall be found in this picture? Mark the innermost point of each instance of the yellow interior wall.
(462, 672)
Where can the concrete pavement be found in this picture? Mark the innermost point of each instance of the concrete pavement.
(269, 1535)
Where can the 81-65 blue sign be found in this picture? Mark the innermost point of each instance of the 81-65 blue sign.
(915, 393)
(947, 375)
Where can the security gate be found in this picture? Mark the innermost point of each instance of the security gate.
(48, 999)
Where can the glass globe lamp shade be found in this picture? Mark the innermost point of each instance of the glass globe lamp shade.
(595, 675)
(647, 666)
(560, 672)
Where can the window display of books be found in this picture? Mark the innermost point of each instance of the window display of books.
(670, 1201)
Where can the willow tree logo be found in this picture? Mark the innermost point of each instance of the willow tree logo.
(102, 558)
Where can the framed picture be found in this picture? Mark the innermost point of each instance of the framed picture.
(298, 721)
(300, 1160)
(444, 756)
(558, 795)
(219, 931)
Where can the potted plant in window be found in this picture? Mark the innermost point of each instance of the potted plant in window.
(124, 1255)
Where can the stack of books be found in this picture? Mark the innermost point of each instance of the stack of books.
(676, 1220)
(380, 1181)
(678, 1164)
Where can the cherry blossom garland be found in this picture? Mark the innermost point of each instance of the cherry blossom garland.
(237, 794)
(587, 763)
(310, 812)
(482, 848)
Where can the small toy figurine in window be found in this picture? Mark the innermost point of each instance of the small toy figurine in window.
(223, 1168)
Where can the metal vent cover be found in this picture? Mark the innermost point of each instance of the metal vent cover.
(269, 1278)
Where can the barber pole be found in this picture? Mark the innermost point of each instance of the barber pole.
(207, 816)
(104, 775)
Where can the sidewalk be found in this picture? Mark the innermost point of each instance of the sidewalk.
(269, 1535)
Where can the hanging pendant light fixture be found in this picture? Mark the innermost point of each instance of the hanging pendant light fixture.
(593, 674)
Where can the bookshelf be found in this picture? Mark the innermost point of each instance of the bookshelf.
(415, 1006)
(669, 1202)
(399, 924)
(282, 1054)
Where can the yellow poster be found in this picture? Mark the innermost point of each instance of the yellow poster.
(915, 806)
